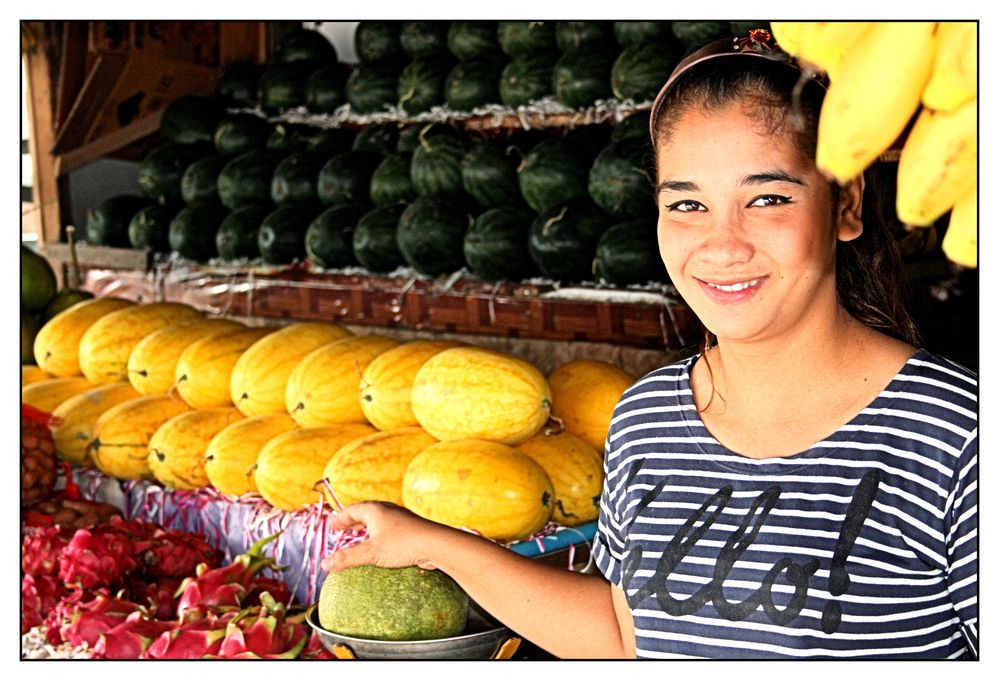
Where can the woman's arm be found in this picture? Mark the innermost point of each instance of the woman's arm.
(569, 614)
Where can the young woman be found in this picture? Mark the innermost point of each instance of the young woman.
(806, 485)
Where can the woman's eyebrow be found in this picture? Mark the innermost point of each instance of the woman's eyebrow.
(677, 186)
(771, 176)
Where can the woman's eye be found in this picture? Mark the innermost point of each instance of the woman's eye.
(685, 206)
(770, 200)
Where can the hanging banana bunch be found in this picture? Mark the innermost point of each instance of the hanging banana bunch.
(881, 76)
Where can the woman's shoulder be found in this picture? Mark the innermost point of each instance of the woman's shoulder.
(670, 377)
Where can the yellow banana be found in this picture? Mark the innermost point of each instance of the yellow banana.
(822, 43)
(939, 163)
(876, 90)
(960, 243)
(954, 80)
(788, 35)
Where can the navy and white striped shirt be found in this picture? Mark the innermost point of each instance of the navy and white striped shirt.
(864, 546)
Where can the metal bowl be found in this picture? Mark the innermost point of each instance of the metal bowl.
(482, 639)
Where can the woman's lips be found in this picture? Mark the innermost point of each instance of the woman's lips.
(732, 291)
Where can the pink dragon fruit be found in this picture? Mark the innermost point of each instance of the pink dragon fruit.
(63, 612)
(98, 558)
(315, 650)
(136, 530)
(171, 553)
(41, 548)
(191, 640)
(39, 596)
(263, 633)
(161, 595)
(275, 587)
(224, 587)
(130, 639)
(89, 618)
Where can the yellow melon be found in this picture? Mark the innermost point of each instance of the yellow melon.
(177, 448)
(387, 383)
(57, 345)
(290, 466)
(50, 393)
(153, 363)
(74, 420)
(577, 473)
(231, 457)
(107, 343)
(584, 394)
(120, 447)
(260, 376)
(322, 389)
(205, 367)
(31, 373)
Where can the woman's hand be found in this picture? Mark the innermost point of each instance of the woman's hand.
(396, 537)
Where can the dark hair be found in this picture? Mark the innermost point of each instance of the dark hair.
(869, 281)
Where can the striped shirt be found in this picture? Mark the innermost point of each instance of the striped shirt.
(864, 546)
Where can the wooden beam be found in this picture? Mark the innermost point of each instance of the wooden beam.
(81, 156)
(241, 41)
(41, 135)
(73, 69)
(91, 99)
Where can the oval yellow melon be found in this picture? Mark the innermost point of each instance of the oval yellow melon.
(57, 345)
(486, 487)
(372, 467)
(106, 345)
(31, 373)
(50, 393)
(472, 392)
(577, 473)
(152, 366)
(177, 449)
(387, 383)
(231, 457)
(290, 466)
(260, 376)
(205, 367)
(120, 447)
(584, 394)
(322, 388)
(74, 420)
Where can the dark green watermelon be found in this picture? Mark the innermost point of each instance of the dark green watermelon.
(495, 246)
(377, 139)
(161, 172)
(282, 86)
(435, 168)
(373, 87)
(489, 173)
(527, 78)
(193, 229)
(421, 84)
(294, 137)
(325, 89)
(375, 245)
(472, 39)
(237, 235)
(346, 178)
(590, 139)
(241, 132)
(582, 78)
(522, 38)
(635, 124)
(107, 224)
(238, 85)
(423, 39)
(621, 179)
(473, 83)
(329, 240)
(281, 238)
(247, 178)
(294, 179)
(391, 183)
(200, 180)
(431, 235)
(628, 254)
(409, 136)
(630, 33)
(695, 34)
(553, 173)
(377, 41)
(191, 120)
(571, 36)
(150, 228)
(302, 44)
(563, 239)
(640, 71)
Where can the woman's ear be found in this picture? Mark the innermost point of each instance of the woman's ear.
(849, 224)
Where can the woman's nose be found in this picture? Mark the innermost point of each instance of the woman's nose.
(726, 242)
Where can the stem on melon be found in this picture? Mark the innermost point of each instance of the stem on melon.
(75, 271)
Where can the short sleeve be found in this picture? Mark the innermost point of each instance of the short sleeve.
(608, 545)
(962, 542)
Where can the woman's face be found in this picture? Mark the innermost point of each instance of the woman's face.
(746, 225)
